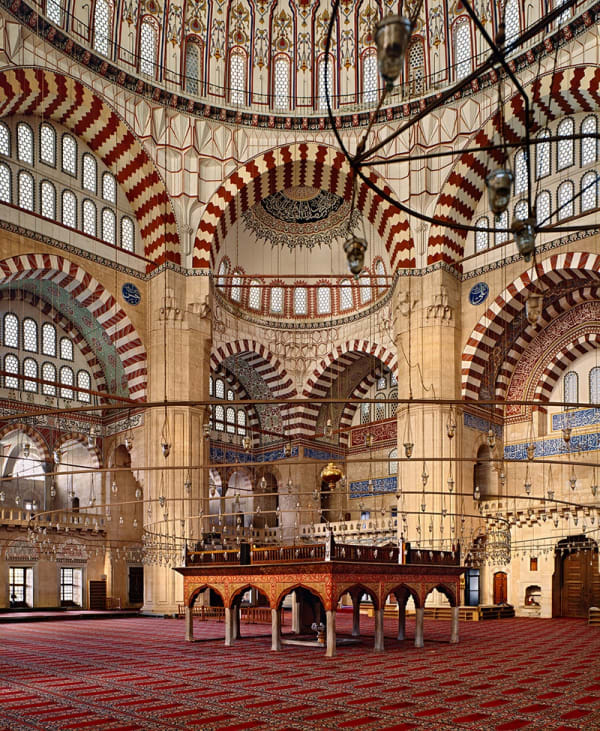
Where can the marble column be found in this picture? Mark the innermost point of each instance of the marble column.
(275, 630)
(419, 628)
(189, 624)
(379, 645)
(454, 629)
(401, 621)
(295, 614)
(331, 646)
(228, 627)
(356, 616)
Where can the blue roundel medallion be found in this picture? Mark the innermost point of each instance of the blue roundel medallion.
(478, 293)
(131, 294)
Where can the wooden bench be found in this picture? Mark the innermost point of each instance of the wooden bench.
(594, 616)
(496, 611)
(248, 615)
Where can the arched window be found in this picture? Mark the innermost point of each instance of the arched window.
(416, 67)
(393, 462)
(521, 210)
(323, 300)
(589, 191)
(511, 20)
(542, 207)
(11, 365)
(254, 297)
(370, 77)
(565, 150)
(571, 388)
(109, 225)
(24, 143)
(90, 173)
(148, 47)
(30, 335)
(127, 234)
(482, 238)
(89, 217)
(211, 386)
(4, 140)
(48, 200)
(364, 284)
(30, 369)
(230, 395)
(5, 186)
(48, 374)
(300, 301)
(192, 66)
(393, 379)
(48, 144)
(66, 379)
(219, 418)
(346, 300)
(365, 413)
(565, 15)
(102, 24)
(542, 156)
(237, 76)
(25, 190)
(379, 408)
(325, 90)
(220, 388)
(393, 407)
(223, 270)
(380, 272)
(109, 188)
(230, 420)
(84, 381)
(66, 349)
(236, 289)
(241, 422)
(11, 331)
(501, 223)
(69, 155)
(462, 47)
(54, 11)
(589, 145)
(69, 209)
(281, 82)
(595, 385)
(520, 172)
(277, 300)
(564, 199)
(49, 340)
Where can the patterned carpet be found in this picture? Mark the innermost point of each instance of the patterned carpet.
(140, 674)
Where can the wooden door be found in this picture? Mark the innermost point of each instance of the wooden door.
(500, 588)
(580, 586)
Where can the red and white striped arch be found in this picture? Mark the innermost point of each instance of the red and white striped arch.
(41, 92)
(35, 436)
(89, 293)
(350, 409)
(253, 425)
(70, 438)
(575, 267)
(570, 90)
(308, 164)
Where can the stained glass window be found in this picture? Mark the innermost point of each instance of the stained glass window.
(102, 27)
(25, 143)
(66, 349)
(520, 172)
(109, 188)
(595, 385)
(542, 205)
(90, 173)
(25, 191)
(346, 300)
(365, 288)
(109, 224)
(571, 388)
(192, 65)
(48, 200)
(69, 155)
(542, 155)
(83, 381)
(48, 144)
(589, 145)
(370, 77)
(54, 11)
(49, 340)
(11, 365)
(254, 296)
(237, 77)
(300, 301)
(325, 90)
(48, 374)
(30, 369)
(565, 147)
(277, 300)
(501, 222)
(127, 234)
(5, 188)
(69, 209)
(589, 190)
(282, 82)
(30, 335)
(482, 238)
(323, 300)
(4, 140)
(564, 199)
(462, 47)
(11, 331)
(89, 218)
(66, 379)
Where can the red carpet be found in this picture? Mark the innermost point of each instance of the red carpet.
(140, 674)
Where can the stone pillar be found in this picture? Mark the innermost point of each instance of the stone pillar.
(295, 614)
(419, 628)
(275, 630)
(401, 621)
(379, 645)
(236, 622)
(454, 629)
(189, 624)
(356, 615)
(331, 647)
(228, 627)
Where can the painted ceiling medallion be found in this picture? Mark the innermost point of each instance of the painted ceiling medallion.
(301, 216)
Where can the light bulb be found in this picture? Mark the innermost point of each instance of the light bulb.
(113, 488)
(26, 450)
(530, 449)
(166, 449)
(121, 521)
(355, 248)
(476, 492)
(128, 443)
(138, 493)
(408, 449)
(450, 484)
(187, 486)
(499, 184)
(392, 35)
(527, 487)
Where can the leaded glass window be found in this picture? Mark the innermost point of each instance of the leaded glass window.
(4, 140)
(89, 217)
(25, 143)
(564, 199)
(49, 340)
(571, 388)
(5, 188)
(30, 369)
(589, 190)
(230, 414)
(109, 188)
(462, 47)
(511, 20)
(520, 172)
(90, 173)
(48, 374)
(192, 65)
(69, 155)
(379, 410)
(102, 27)
(521, 210)
(237, 76)
(69, 209)
(148, 48)
(370, 77)
(282, 82)
(30, 335)
(48, 200)
(236, 289)
(219, 418)
(66, 379)
(241, 422)
(565, 15)
(595, 385)
(109, 224)
(381, 383)
(25, 190)
(589, 145)
(11, 330)
(54, 11)
(300, 301)
(542, 156)
(393, 380)
(542, 205)
(365, 288)
(565, 148)
(254, 297)
(277, 300)
(324, 91)
(220, 388)
(83, 381)
(393, 462)
(127, 234)
(11, 365)
(482, 238)
(48, 144)
(501, 223)
(346, 300)
(323, 300)
(365, 413)
(416, 67)
(66, 349)
(393, 407)
(380, 271)
(223, 269)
